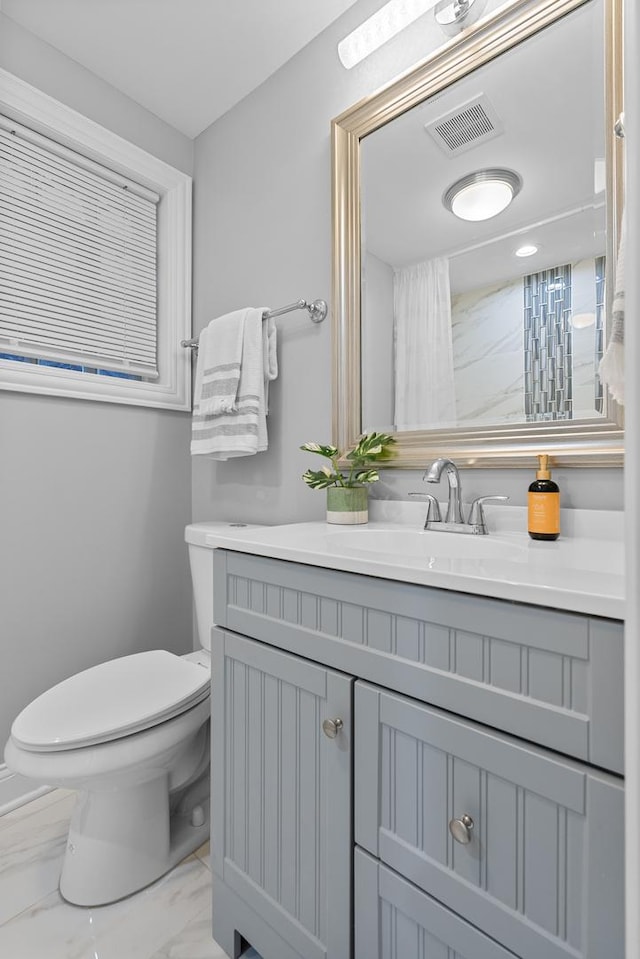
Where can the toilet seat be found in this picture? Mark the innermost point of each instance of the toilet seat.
(110, 701)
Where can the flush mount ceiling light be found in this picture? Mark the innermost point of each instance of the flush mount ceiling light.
(483, 194)
(382, 26)
(527, 250)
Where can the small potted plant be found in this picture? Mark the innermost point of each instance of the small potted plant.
(347, 493)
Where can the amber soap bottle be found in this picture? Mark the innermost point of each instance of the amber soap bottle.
(544, 503)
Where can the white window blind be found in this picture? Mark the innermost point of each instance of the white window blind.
(77, 258)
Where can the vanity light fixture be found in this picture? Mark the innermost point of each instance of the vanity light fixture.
(483, 194)
(454, 15)
(389, 20)
(527, 250)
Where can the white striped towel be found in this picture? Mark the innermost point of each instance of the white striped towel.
(218, 369)
(270, 357)
(241, 431)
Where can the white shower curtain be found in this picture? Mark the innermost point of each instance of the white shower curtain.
(424, 386)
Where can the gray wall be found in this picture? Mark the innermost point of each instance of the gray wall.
(263, 236)
(95, 496)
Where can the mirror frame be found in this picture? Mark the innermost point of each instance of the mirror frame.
(570, 443)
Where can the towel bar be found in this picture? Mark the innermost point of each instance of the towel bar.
(317, 313)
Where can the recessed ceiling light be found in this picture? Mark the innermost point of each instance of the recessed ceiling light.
(483, 194)
(382, 26)
(580, 321)
(527, 250)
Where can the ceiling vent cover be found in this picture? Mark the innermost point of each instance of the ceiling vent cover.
(467, 126)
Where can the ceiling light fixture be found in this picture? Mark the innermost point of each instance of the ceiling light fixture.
(580, 321)
(527, 250)
(380, 27)
(483, 194)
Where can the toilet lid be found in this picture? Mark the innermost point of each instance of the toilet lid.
(111, 700)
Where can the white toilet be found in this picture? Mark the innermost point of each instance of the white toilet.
(132, 736)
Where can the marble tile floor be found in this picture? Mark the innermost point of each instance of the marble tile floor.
(171, 919)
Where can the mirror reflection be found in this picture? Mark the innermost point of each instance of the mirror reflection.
(484, 242)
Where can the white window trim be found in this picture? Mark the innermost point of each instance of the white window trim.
(172, 390)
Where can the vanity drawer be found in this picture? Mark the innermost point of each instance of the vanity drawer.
(543, 870)
(395, 920)
(549, 676)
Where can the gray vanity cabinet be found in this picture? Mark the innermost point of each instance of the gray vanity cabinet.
(281, 802)
(394, 920)
(486, 742)
(537, 861)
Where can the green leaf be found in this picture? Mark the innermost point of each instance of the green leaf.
(366, 476)
(328, 451)
(372, 446)
(322, 479)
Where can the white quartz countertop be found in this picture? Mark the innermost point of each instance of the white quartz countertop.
(582, 571)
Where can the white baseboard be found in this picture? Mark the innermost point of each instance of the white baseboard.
(16, 790)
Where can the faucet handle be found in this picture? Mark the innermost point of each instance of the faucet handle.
(433, 507)
(476, 513)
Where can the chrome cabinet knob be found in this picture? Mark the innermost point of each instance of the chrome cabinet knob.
(331, 727)
(461, 828)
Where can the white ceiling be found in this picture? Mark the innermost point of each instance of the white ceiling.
(187, 61)
(548, 93)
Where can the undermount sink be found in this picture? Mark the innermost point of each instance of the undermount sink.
(428, 544)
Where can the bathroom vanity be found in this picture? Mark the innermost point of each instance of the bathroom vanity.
(408, 770)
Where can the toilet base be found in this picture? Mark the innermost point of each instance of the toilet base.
(122, 840)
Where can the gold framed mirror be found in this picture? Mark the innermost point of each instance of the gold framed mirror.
(548, 107)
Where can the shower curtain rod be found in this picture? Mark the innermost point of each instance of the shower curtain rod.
(317, 312)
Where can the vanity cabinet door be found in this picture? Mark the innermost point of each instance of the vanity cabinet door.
(281, 796)
(395, 920)
(523, 844)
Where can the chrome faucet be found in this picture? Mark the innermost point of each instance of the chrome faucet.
(454, 519)
(433, 474)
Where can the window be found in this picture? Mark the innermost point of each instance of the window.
(95, 255)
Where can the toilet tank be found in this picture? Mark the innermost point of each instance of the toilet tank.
(201, 562)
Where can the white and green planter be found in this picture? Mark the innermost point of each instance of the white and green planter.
(347, 505)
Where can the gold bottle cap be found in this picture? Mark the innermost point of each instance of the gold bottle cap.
(543, 468)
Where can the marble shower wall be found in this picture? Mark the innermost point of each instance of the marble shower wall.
(488, 350)
(586, 352)
(488, 354)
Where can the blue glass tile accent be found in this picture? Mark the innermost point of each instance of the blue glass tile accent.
(547, 343)
(17, 359)
(92, 370)
(60, 366)
(120, 376)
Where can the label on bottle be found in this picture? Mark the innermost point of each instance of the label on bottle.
(544, 512)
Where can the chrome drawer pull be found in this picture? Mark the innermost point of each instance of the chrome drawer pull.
(331, 727)
(461, 828)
